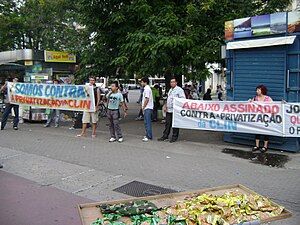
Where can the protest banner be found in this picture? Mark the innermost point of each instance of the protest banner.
(65, 97)
(242, 117)
(292, 119)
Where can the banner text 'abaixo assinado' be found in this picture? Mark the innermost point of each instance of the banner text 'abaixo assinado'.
(274, 118)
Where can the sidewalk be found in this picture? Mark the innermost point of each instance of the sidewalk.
(27, 203)
(53, 164)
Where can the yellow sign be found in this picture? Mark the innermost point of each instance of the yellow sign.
(51, 56)
(28, 63)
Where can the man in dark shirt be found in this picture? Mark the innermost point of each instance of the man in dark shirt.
(8, 108)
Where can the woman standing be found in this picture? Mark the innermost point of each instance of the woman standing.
(261, 91)
(219, 92)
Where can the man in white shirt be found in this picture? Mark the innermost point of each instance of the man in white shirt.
(147, 108)
(174, 92)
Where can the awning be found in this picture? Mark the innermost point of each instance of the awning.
(264, 42)
(16, 55)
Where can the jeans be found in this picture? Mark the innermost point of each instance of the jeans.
(168, 128)
(114, 127)
(6, 113)
(54, 114)
(148, 122)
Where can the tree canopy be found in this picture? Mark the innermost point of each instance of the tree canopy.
(125, 37)
(164, 37)
(39, 24)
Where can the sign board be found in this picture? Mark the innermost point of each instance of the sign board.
(65, 97)
(274, 118)
(270, 24)
(63, 57)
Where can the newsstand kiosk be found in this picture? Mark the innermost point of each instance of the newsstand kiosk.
(264, 50)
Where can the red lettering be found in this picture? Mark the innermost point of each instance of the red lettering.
(70, 104)
(226, 108)
(186, 105)
(233, 108)
(241, 108)
(87, 104)
(194, 105)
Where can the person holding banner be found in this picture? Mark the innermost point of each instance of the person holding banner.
(174, 92)
(88, 116)
(261, 91)
(8, 108)
(54, 113)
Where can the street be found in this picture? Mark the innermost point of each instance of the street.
(54, 161)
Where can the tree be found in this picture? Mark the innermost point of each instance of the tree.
(164, 37)
(41, 24)
(7, 22)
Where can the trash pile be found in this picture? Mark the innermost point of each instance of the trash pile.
(204, 209)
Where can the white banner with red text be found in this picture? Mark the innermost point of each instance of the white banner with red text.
(274, 118)
(65, 97)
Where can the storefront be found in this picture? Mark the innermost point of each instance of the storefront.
(37, 67)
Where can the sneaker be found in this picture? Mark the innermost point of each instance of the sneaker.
(162, 139)
(173, 140)
(16, 128)
(112, 140)
(21, 120)
(120, 140)
(1, 166)
(56, 126)
(46, 125)
(145, 139)
(2, 128)
(264, 149)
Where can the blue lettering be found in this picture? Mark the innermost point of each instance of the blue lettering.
(223, 124)
(53, 91)
(22, 88)
(81, 92)
(212, 124)
(66, 91)
(202, 124)
(47, 91)
(35, 90)
(72, 92)
(40, 91)
(60, 90)
(30, 90)
(17, 88)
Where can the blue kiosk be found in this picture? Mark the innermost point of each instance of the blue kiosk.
(264, 50)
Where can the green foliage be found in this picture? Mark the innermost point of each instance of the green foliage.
(125, 37)
(165, 37)
(40, 24)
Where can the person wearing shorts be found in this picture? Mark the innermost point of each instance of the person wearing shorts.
(89, 117)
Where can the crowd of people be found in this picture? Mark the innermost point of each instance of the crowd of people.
(150, 102)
